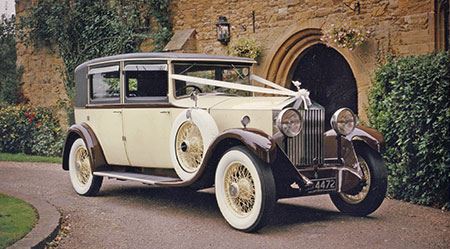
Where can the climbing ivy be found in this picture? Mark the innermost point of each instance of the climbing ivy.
(84, 29)
(160, 10)
(9, 73)
(410, 104)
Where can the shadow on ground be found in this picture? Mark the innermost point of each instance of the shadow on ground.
(203, 203)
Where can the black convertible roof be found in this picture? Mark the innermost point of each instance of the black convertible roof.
(167, 56)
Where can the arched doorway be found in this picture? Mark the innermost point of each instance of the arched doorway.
(327, 75)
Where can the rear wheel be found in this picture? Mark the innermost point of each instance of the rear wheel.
(245, 189)
(373, 193)
(83, 181)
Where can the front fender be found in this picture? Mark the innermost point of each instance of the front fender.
(257, 141)
(373, 138)
(85, 132)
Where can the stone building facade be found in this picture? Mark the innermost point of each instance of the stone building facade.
(289, 32)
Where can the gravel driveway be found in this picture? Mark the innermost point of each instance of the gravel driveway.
(133, 215)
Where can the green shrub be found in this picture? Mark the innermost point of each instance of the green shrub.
(29, 130)
(409, 104)
(9, 73)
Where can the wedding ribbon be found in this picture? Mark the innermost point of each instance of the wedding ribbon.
(302, 95)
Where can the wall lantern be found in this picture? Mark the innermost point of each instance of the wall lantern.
(223, 30)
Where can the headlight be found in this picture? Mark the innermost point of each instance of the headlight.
(343, 121)
(289, 122)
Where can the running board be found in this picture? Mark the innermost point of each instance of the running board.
(147, 179)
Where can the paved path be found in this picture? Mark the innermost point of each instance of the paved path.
(133, 215)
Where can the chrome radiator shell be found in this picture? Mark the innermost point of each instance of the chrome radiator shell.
(307, 147)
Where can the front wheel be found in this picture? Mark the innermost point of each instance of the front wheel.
(83, 181)
(245, 189)
(373, 193)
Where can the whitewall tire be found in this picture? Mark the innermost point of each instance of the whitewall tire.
(80, 171)
(245, 189)
(192, 133)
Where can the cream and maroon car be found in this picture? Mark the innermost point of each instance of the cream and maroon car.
(178, 120)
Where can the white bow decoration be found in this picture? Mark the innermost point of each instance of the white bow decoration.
(302, 94)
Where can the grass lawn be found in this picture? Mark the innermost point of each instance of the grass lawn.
(17, 218)
(28, 158)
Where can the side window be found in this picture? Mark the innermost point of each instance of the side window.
(104, 84)
(146, 82)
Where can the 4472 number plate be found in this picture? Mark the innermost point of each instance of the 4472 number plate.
(324, 184)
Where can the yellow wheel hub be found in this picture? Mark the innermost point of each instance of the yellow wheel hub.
(83, 165)
(239, 189)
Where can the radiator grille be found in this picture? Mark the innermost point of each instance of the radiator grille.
(307, 147)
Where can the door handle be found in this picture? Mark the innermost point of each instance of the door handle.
(165, 112)
(117, 112)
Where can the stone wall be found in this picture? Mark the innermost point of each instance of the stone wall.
(399, 27)
(42, 79)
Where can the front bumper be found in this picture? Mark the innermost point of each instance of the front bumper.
(347, 179)
(300, 180)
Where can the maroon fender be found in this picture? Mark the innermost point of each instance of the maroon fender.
(85, 132)
(257, 141)
(373, 138)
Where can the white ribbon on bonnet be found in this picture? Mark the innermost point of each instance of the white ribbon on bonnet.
(302, 95)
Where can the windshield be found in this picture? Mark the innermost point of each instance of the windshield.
(233, 73)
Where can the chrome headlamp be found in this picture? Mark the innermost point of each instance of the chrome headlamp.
(289, 122)
(343, 121)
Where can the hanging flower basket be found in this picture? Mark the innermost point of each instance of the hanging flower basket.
(345, 36)
(246, 47)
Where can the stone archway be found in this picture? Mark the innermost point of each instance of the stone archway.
(287, 52)
(285, 55)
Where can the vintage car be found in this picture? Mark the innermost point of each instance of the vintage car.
(178, 120)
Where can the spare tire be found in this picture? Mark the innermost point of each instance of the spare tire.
(192, 133)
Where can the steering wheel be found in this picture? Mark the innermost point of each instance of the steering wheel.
(199, 90)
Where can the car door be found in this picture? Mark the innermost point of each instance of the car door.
(105, 111)
(146, 115)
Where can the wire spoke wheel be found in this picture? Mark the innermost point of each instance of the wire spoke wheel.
(189, 146)
(354, 199)
(245, 189)
(239, 189)
(80, 170)
(82, 164)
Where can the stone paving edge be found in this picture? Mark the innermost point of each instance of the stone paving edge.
(47, 226)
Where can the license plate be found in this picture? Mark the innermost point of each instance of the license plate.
(324, 184)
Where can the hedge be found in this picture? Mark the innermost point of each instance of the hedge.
(409, 104)
(30, 130)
